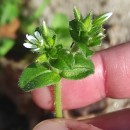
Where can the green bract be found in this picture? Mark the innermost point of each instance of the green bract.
(56, 60)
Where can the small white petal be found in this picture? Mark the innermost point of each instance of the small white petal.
(108, 15)
(28, 45)
(36, 49)
(38, 36)
(41, 42)
(31, 39)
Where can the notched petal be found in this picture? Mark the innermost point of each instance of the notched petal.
(31, 39)
(29, 45)
(38, 36)
(37, 49)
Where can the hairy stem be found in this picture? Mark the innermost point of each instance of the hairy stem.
(57, 103)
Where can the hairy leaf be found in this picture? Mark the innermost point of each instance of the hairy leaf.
(77, 14)
(82, 68)
(74, 29)
(37, 75)
(64, 61)
(76, 73)
(84, 49)
(81, 61)
(88, 22)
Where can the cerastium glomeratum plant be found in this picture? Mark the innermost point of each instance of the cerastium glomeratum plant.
(55, 61)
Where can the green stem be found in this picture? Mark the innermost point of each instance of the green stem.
(57, 103)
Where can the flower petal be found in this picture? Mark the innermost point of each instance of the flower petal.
(41, 42)
(29, 45)
(31, 39)
(36, 49)
(38, 36)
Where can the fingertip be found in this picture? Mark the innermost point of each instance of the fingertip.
(42, 97)
(61, 124)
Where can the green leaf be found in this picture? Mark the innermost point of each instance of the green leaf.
(82, 68)
(64, 61)
(88, 22)
(95, 41)
(82, 26)
(101, 19)
(52, 53)
(41, 58)
(76, 73)
(84, 49)
(77, 14)
(96, 30)
(81, 61)
(37, 75)
(74, 30)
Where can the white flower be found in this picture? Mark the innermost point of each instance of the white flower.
(34, 42)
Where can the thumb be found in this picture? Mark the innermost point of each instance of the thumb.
(61, 124)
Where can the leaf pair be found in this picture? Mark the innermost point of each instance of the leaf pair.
(66, 66)
(72, 66)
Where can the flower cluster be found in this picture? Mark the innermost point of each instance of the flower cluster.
(34, 42)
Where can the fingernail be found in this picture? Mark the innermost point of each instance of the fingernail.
(51, 125)
(64, 125)
(76, 125)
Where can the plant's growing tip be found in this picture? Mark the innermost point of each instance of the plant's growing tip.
(55, 61)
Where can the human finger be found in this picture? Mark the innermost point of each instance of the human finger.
(111, 79)
(119, 120)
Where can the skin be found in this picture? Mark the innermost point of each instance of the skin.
(111, 79)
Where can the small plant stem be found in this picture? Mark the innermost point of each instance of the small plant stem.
(57, 102)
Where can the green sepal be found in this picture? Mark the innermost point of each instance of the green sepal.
(101, 19)
(64, 61)
(41, 58)
(96, 30)
(74, 30)
(88, 22)
(49, 37)
(45, 29)
(77, 14)
(96, 41)
(81, 26)
(36, 76)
